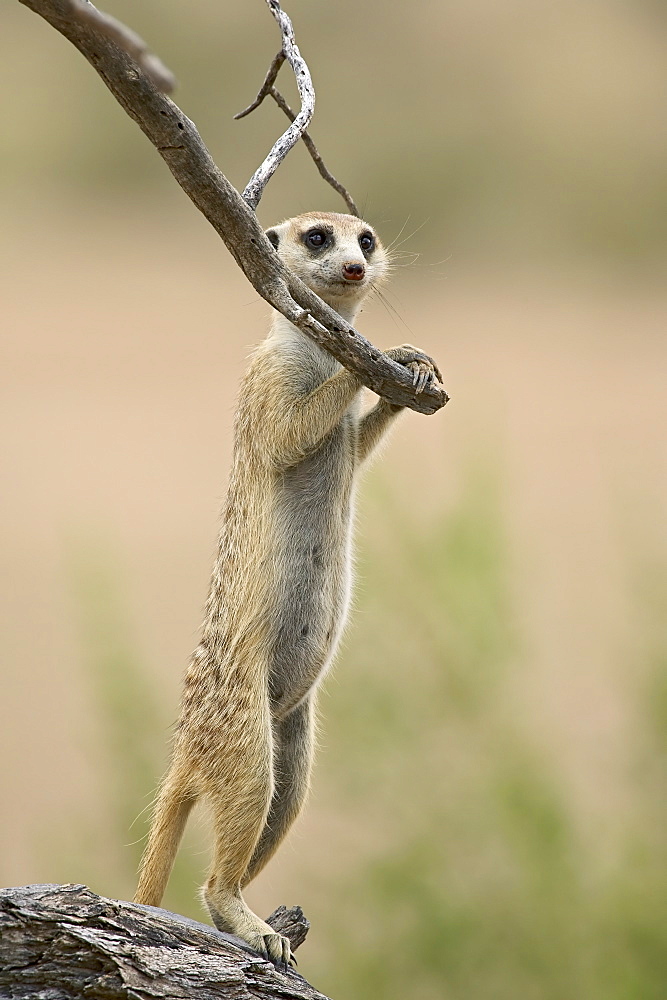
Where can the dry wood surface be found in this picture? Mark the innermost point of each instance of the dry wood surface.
(58, 942)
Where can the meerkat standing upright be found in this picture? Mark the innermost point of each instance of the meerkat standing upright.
(280, 586)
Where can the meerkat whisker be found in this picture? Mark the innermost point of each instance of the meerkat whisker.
(394, 245)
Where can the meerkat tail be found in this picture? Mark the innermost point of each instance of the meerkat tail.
(171, 813)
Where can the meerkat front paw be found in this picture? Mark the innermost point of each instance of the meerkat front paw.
(424, 369)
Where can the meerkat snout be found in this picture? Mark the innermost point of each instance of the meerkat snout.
(352, 271)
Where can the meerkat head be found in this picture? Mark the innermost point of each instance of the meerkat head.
(339, 257)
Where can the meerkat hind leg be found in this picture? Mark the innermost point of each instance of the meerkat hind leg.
(240, 800)
(293, 754)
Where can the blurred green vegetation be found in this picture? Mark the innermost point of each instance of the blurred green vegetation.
(470, 876)
(485, 886)
(506, 128)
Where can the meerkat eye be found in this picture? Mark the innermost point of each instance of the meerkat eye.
(367, 242)
(316, 238)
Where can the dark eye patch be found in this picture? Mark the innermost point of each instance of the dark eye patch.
(317, 238)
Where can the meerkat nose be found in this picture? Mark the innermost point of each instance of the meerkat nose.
(353, 271)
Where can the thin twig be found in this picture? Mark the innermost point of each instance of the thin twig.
(255, 186)
(270, 79)
(269, 88)
(314, 152)
(128, 40)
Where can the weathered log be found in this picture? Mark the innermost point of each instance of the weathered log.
(60, 942)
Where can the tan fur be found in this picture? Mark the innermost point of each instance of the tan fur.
(280, 587)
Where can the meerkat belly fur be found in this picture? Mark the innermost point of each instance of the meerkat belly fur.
(280, 587)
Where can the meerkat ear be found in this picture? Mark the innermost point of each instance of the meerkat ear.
(272, 237)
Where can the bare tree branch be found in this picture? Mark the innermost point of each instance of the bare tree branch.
(128, 40)
(180, 145)
(290, 50)
(314, 152)
(269, 88)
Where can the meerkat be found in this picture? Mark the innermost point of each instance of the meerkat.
(280, 587)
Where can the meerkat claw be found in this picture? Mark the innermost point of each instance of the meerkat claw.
(277, 949)
(422, 376)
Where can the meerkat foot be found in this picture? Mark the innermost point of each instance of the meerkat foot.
(235, 917)
(278, 950)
